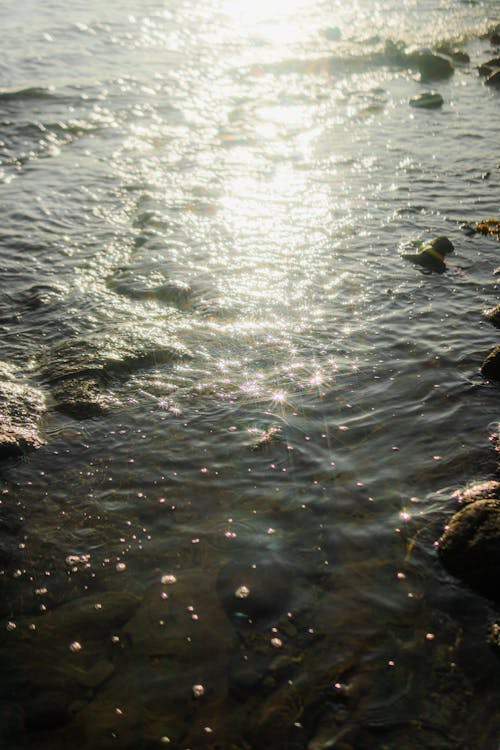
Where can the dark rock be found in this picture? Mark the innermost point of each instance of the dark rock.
(78, 370)
(254, 589)
(470, 546)
(11, 723)
(431, 66)
(493, 315)
(48, 711)
(494, 637)
(494, 78)
(431, 255)
(427, 100)
(494, 35)
(491, 365)
(244, 676)
(487, 68)
(455, 53)
(21, 408)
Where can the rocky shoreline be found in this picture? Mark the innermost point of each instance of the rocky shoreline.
(109, 665)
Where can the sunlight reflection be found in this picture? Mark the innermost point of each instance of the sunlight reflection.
(262, 10)
(278, 20)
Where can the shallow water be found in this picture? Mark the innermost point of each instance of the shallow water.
(233, 547)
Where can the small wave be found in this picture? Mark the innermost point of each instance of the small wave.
(34, 92)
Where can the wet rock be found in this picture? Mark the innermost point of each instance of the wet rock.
(430, 65)
(487, 490)
(431, 255)
(493, 315)
(470, 546)
(254, 589)
(21, 408)
(494, 35)
(454, 53)
(491, 365)
(494, 637)
(427, 100)
(78, 370)
(38, 296)
(487, 68)
(493, 79)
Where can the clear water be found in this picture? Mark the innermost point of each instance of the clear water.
(265, 155)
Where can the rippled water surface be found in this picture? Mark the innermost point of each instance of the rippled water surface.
(255, 411)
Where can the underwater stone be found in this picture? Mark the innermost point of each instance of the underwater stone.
(77, 370)
(470, 546)
(254, 589)
(48, 711)
(150, 286)
(96, 675)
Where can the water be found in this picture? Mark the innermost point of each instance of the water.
(204, 207)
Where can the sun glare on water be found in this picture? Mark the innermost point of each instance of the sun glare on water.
(278, 20)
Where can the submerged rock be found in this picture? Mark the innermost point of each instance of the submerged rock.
(470, 546)
(150, 286)
(427, 100)
(267, 438)
(21, 408)
(254, 589)
(78, 370)
(48, 711)
(491, 365)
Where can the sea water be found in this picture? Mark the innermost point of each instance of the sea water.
(236, 547)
